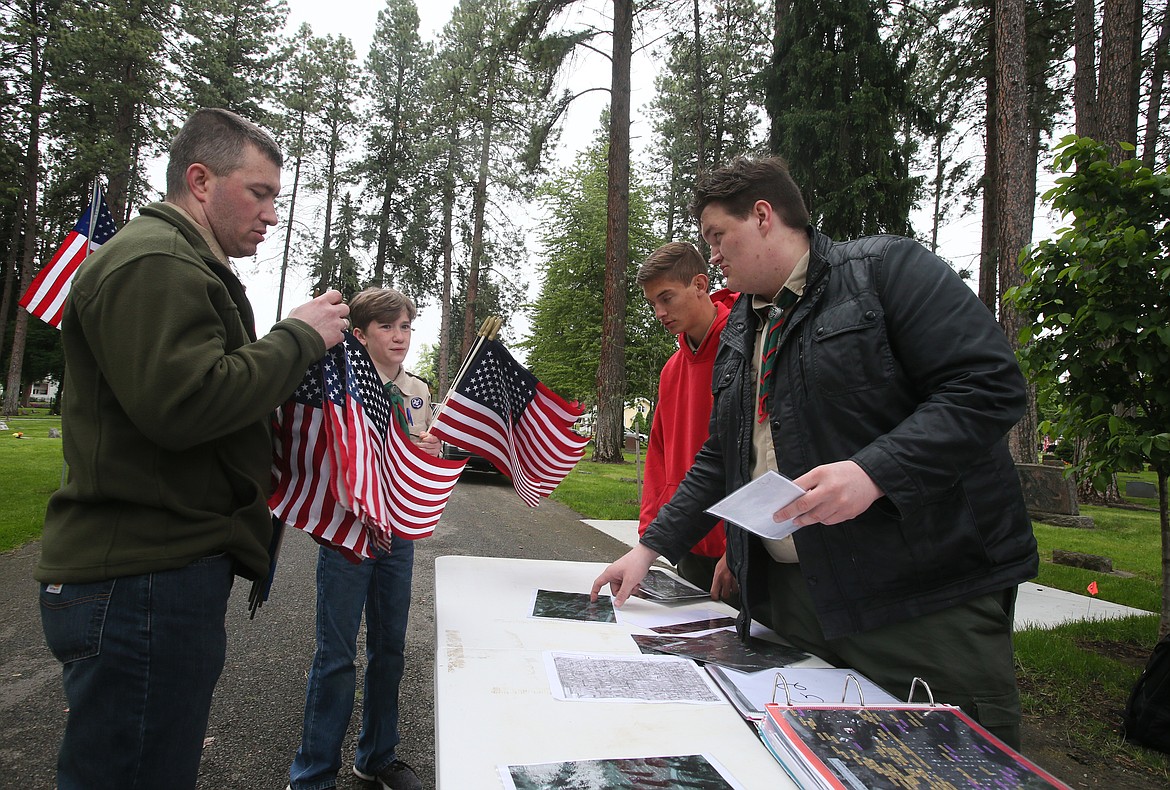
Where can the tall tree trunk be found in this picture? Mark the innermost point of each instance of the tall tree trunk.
(32, 161)
(378, 276)
(939, 174)
(700, 126)
(1164, 521)
(325, 280)
(611, 370)
(288, 229)
(672, 204)
(9, 296)
(988, 264)
(1085, 65)
(1016, 197)
(1117, 99)
(478, 211)
(1157, 81)
(448, 263)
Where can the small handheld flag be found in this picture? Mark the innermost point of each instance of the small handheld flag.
(499, 410)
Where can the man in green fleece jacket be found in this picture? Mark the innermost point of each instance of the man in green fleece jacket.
(167, 435)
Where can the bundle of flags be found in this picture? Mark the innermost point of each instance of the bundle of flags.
(345, 471)
(500, 411)
(45, 297)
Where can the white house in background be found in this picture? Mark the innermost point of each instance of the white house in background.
(43, 391)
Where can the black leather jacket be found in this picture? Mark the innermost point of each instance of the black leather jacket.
(890, 360)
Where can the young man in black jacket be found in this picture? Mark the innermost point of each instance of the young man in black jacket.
(871, 375)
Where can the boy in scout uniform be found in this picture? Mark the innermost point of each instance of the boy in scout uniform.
(382, 322)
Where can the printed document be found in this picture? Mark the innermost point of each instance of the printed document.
(752, 506)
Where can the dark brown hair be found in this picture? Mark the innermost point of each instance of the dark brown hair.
(379, 304)
(741, 182)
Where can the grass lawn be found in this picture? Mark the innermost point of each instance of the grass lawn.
(602, 491)
(30, 470)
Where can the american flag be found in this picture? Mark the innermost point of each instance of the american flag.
(345, 471)
(500, 411)
(45, 297)
(303, 471)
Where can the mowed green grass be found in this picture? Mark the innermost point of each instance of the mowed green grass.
(30, 470)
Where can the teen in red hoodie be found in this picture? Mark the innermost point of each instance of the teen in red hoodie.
(674, 280)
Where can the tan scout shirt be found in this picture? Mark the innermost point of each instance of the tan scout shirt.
(417, 396)
(763, 451)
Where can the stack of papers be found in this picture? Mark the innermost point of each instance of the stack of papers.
(659, 585)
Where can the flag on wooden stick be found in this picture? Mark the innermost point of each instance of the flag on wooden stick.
(499, 410)
(345, 471)
(45, 297)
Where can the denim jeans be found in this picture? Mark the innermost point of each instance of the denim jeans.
(381, 586)
(141, 656)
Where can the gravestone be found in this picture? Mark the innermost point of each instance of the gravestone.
(1050, 496)
(1077, 559)
(3, 425)
(54, 433)
(1142, 489)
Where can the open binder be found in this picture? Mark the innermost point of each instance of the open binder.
(749, 692)
(849, 746)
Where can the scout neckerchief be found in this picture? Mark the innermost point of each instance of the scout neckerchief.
(398, 406)
(776, 315)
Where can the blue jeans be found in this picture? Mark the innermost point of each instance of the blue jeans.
(141, 656)
(381, 586)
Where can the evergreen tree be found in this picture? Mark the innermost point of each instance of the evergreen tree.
(299, 99)
(394, 168)
(707, 101)
(345, 231)
(564, 345)
(228, 53)
(340, 86)
(839, 100)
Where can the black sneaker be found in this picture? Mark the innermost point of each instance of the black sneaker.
(395, 776)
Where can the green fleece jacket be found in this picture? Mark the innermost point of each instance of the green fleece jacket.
(167, 409)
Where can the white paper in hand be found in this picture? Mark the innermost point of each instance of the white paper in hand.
(752, 506)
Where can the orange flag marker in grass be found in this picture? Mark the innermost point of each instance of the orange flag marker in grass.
(1092, 588)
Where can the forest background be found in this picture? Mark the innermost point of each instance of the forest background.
(432, 158)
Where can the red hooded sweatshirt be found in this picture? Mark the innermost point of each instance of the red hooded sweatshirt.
(681, 418)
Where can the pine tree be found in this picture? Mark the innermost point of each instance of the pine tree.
(707, 100)
(299, 99)
(345, 231)
(564, 345)
(839, 100)
(107, 67)
(394, 167)
(227, 55)
(340, 86)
